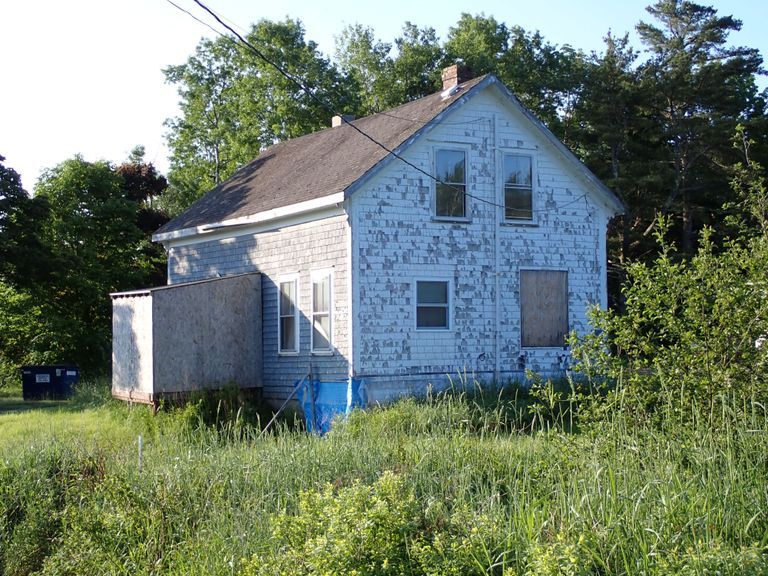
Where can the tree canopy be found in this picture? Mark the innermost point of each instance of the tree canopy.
(84, 234)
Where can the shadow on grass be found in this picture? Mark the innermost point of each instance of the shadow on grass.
(85, 395)
(16, 404)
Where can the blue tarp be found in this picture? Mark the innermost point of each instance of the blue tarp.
(323, 401)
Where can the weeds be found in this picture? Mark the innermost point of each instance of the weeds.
(481, 482)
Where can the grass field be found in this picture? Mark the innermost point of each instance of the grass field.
(458, 484)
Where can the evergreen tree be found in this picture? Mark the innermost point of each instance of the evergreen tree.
(697, 90)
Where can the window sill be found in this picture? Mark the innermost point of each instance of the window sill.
(526, 223)
(286, 353)
(450, 220)
(322, 352)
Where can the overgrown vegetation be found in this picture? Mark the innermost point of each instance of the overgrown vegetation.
(462, 483)
(693, 330)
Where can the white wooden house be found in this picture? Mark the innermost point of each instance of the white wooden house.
(474, 249)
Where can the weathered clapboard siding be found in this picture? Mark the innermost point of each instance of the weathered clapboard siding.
(297, 249)
(383, 238)
(397, 241)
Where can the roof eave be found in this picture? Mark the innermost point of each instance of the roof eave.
(307, 207)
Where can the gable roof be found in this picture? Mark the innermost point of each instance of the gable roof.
(330, 162)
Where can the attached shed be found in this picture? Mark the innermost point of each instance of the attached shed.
(171, 340)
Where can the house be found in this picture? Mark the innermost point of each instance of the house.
(475, 246)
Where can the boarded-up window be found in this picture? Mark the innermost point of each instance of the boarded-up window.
(544, 307)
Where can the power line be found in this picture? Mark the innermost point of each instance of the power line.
(304, 88)
(188, 13)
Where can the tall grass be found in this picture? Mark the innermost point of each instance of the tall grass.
(454, 484)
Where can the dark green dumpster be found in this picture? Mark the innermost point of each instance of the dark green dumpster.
(48, 382)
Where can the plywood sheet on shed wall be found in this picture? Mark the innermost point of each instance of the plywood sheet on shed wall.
(208, 334)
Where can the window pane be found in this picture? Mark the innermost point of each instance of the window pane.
(450, 166)
(432, 317)
(287, 298)
(518, 204)
(449, 200)
(432, 293)
(288, 334)
(321, 294)
(517, 170)
(321, 332)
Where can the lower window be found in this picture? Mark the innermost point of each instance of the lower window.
(432, 305)
(321, 312)
(289, 317)
(543, 308)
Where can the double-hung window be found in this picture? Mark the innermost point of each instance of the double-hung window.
(288, 312)
(322, 341)
(518, 187)
(451, 185)
(432, 305)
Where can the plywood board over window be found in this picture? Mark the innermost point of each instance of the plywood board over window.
(543, 308)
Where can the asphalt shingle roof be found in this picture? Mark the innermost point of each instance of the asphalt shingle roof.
(313, 166)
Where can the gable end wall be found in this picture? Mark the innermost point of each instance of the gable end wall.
(396, 241)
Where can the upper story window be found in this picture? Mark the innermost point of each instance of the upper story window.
(432, 306)
(518, 187)
(322, 305)
(288, 313)
(450, 190)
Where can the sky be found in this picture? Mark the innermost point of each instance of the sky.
(85, 76)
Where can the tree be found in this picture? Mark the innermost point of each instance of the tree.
(547, 79)
(143, 185)
(618, 143)
(367, 62)
(698, 90)
(92, 227)
(21, 249)
(386, 80)
(234, 104)
(201, 154)
(417, 66)
(479, 42)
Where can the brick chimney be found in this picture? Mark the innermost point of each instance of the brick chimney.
(455, 75)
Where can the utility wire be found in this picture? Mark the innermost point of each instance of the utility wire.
(188, 13)
(299, 84)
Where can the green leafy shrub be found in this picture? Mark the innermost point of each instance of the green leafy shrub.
(377, 530)
(690, 334)
(359, 530)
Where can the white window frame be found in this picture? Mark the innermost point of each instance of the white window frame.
(502, 193)
(448, 148)
(284, 279)
(318, 275)
(448, 305)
